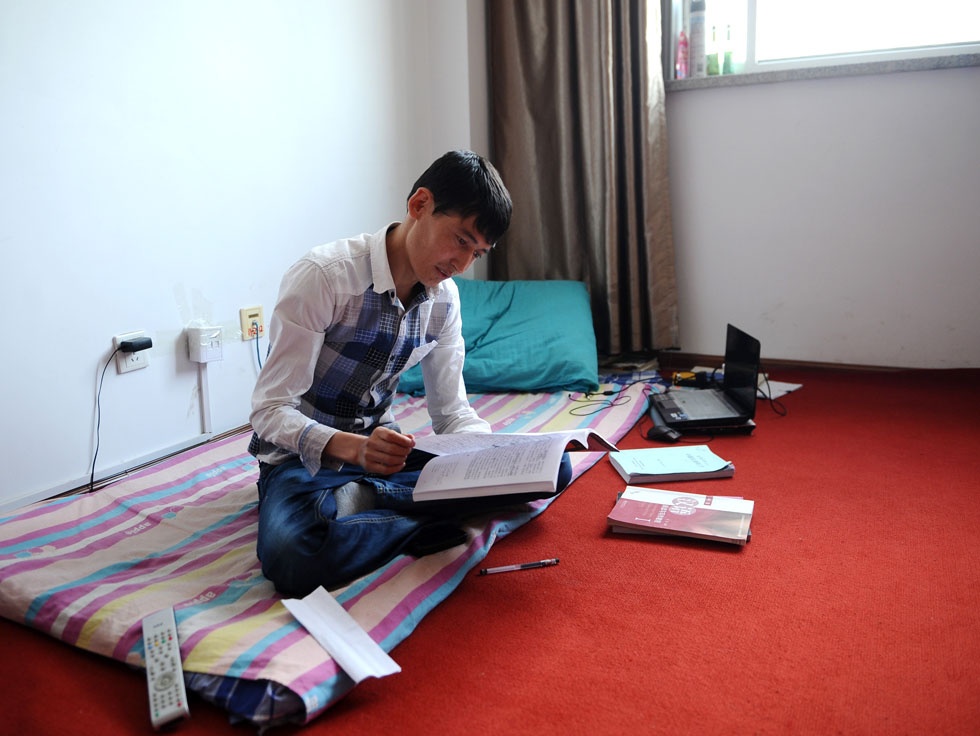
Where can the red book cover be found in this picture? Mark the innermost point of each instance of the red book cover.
(656, 511)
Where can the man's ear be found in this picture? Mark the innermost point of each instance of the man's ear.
(419, 202)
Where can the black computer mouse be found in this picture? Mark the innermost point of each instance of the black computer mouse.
(660, 433)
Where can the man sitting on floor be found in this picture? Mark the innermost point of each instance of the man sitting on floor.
(336, 474)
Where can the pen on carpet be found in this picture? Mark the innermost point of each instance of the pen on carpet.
(522, 566)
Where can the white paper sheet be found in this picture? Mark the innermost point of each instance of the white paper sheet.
(336, 631)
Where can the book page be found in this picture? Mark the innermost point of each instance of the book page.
(460, 442)
(528, 461)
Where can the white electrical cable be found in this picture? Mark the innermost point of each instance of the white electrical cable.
(202, 384)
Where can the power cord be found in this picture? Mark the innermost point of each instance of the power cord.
(258, 356)
(594, 402)
(98, 420)
(696, 379)
(126, 346)
(775, 404)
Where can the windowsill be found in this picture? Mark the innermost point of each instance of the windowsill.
(823, 72)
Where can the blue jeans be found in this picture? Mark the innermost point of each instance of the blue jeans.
(302, 544)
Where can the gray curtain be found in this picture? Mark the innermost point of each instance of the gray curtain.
(579, 136)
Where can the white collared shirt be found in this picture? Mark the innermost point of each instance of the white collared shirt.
(339, 338)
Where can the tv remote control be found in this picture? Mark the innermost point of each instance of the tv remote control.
(164, 674)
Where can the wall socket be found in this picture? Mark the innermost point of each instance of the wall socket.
(249, 316)
(126, 362)
(204, 344)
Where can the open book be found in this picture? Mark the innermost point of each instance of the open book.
(471, 465)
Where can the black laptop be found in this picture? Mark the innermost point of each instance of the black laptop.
(732, 405)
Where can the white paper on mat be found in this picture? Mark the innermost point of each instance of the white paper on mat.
(336, 631)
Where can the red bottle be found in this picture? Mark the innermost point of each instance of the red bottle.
(680, 64)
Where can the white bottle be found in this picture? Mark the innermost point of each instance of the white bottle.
(696, 59)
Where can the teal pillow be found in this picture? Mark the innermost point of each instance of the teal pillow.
(523, 336)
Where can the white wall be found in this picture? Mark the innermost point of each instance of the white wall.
(163, 163)
(838, 219)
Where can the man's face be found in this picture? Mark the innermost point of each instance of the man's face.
(442, 244)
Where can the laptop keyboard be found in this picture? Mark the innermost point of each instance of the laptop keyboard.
(703, 404)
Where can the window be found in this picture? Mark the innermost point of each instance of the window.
(737, 36)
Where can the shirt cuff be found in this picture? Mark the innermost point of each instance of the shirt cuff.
(311, 443)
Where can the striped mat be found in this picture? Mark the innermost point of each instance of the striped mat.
(86, 569)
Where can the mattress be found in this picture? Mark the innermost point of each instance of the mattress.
(86, 569)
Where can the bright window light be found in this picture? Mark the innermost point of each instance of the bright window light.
(755, 35)
(806, 28)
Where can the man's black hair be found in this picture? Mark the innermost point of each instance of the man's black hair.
(466, 184)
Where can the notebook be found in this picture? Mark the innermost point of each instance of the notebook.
(731, 405)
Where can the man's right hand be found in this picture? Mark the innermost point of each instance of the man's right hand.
(383, 452)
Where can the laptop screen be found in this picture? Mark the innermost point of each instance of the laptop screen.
(742, 356)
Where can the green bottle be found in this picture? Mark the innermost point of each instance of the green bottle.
(728, 66)
(713, 54)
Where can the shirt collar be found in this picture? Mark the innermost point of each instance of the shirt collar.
(381, 269)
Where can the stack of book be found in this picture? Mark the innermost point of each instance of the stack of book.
(720, 518)
(683, 514)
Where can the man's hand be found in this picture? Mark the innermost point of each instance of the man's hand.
(384, 452)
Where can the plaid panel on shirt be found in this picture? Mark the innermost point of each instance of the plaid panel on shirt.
(362, 354)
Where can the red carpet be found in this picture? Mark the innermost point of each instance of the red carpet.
(854, 610)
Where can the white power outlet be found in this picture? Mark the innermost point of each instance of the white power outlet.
(126, 362)
(204, 344)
